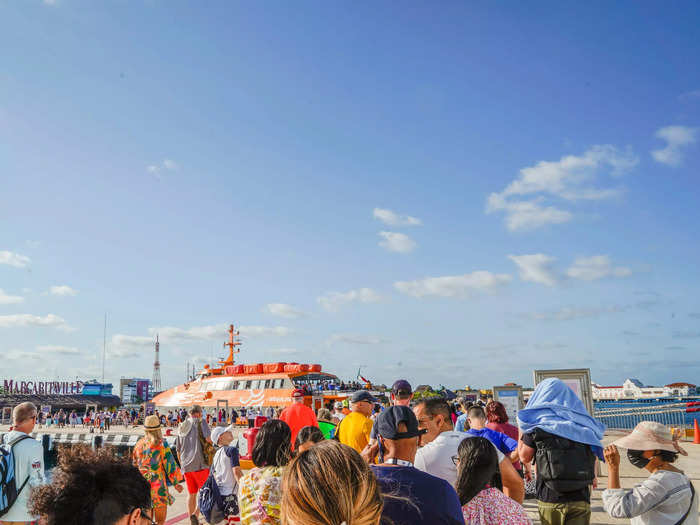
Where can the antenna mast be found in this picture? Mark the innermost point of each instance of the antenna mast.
(233, 342)
(104, 348)
(156, 368)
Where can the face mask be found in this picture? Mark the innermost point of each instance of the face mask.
(635, 457)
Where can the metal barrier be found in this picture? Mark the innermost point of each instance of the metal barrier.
(626, 418)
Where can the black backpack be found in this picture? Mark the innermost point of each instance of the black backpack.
(563, 465)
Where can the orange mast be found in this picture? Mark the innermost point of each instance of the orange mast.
(232, 344)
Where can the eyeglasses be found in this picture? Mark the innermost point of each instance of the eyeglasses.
(455, 460)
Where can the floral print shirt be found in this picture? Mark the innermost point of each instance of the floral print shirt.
(492, 507)
(260, 496)
(158, 466)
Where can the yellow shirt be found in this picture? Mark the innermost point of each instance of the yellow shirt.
(354, 430)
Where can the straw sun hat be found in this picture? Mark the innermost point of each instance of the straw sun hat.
(649, 435)
(151, 422)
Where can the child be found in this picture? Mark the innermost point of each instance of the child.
(307, 438)
(226, 469)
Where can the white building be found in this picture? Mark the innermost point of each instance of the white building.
(634, 389)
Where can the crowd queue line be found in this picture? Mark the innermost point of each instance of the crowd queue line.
(411, 463)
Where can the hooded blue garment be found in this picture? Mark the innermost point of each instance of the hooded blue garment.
(555, 408)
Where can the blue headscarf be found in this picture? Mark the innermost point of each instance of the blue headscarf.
(556, 409)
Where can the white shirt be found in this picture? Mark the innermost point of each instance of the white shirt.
(436, 457)
(662, 499)
(339, 416)
(223, 473)
(29, 460)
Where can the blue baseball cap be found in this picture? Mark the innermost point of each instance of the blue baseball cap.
(362, 395)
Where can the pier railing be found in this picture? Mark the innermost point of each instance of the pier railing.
(626, 418)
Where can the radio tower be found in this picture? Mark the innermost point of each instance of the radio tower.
(156, 368)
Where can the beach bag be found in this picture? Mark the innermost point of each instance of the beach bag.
(563, 465)
(8, 481)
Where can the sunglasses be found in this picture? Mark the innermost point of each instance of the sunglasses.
(455, 460)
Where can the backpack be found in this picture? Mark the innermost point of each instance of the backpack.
(8, 481)
(210, 500)
(562, 464)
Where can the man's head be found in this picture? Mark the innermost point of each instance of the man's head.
(398, 432)
(338, 406)
(196, 411)
(24, 417)
(476, 417)
(298, 395)
(362, 402)
(433, 417)
(401, 393)
(222, 436)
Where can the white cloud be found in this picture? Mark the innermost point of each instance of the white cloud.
(391, 218)
(334, 300)
(165, 165)
(171, 334)
(596, 267)
(397, 242)
(14, 259)
(16, 354)
(572, 313)
(24, 320)
(263, 331)
(689, 95)
(58, 349)
(676, 138)
(356, 339)
(283, 351)
(568, 178)
(63, 290)
(284, 310)
(10, 299)
(453, 285)
(536, 268)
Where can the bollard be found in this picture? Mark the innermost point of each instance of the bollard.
(696, 433)
(97, 442)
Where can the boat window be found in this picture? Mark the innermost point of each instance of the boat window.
(233, 385)
(279, 383)
(247, 384)
(256, 384)
(267, 383)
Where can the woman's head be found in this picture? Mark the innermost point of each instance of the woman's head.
(650, 444)
(330, 484)
(477, 463)
(93, 488)
(306, 438)
(272, 444)
(151, 428)
(496, 412)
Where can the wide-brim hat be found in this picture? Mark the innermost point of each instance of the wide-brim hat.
(151, 422)
(650, 435)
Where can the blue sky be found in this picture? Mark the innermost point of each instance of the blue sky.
(455, 193)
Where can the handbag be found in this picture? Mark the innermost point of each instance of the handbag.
(207, 448)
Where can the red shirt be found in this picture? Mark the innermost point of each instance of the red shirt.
(298, 416)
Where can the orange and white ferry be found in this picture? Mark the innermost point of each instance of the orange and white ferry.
(254, 385)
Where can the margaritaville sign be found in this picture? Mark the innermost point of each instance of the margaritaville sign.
(65, 388)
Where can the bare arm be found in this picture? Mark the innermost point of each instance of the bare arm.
(525, 452)
(370, 451)
(237, 473)
(513, 485)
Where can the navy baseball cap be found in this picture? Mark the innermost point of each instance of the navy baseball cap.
(389, 420)
(362, 395)
(401, 386)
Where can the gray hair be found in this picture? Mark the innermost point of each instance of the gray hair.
(196, 409)
(23, 411)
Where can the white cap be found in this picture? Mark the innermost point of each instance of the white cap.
(216, 433)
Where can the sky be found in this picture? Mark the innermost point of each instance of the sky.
(455, 193)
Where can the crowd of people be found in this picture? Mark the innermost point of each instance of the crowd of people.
(413, 462)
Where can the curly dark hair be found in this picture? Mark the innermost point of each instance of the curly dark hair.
(273, 444)
(478, 462)
(90, 488)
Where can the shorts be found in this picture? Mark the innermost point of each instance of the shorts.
(195, 480)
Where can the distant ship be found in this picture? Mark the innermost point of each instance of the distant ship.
(253, 385)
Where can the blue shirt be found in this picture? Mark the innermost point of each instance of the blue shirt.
(503, 443)
(433, 501)
(461, 422)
